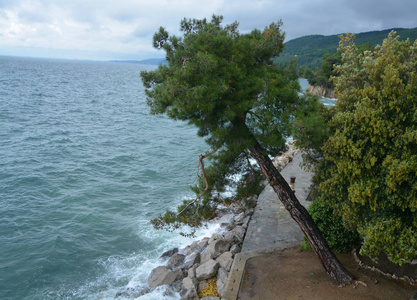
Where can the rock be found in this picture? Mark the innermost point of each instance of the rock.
(228, 226)
(225, 260)
(207, 270)
(228, 218)
(203, 284)
(216, 248)
(202, 244)
(246, 220)
(169, 253)
(222, 276)
(178, 286)
(169, 291)
(191, 271)
(321, 91)
(210, 298)
(231, 237)
(192, 260)
(190, 295)
(250, 211)
(238, 231)
(180, 273)
(133, 293)
(190, 283)
(235, 249)
(176, 260)
(190, 248)
(160, 276)
(239, 218)
(214, 237)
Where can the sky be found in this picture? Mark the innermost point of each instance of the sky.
(123, 29)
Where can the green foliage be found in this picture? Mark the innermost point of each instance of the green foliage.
(371, 155)
(305, 245)
(224, 83)
(331, 226)
(321, 76)
(251, 184)
(311, 130)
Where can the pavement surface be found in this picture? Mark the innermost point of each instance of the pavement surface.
(271, 228)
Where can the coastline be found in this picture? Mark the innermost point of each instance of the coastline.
(201, 269)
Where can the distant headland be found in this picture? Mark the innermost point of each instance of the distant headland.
(149, 61)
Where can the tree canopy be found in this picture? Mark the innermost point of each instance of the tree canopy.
(225, 83)
(369, 172)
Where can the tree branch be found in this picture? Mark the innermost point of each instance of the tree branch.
(249, 164)
(201, 164)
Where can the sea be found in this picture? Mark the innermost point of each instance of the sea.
(84, 166)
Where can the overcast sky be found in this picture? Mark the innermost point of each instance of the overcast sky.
(123, 29)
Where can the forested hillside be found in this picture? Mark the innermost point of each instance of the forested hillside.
(308, 50)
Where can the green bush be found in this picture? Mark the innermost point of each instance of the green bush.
(331, 226)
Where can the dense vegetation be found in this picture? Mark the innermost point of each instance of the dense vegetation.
(321, 76)
(309, 50)
(223, 82)
(226, 84)
(365, 157)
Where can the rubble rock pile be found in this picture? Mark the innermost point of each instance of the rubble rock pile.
(189, 270)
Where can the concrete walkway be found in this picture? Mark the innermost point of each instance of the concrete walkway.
(271, 228)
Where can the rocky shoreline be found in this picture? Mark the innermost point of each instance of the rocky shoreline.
(321, 91)
(200, 270)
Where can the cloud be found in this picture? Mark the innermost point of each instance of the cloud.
(103, 29)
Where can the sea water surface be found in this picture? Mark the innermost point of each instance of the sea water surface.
(83, 168)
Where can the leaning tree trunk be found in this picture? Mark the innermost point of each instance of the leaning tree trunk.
(298, 212)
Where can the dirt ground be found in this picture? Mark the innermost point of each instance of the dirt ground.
(296, 274)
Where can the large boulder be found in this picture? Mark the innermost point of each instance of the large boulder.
(176, 260)
(161, 276)
(222, 276)
(191, 260)
(232, 238)
(190, 283)
(237, 233)
(169, 253)
(191, 271)
(180, 273)
(190, 295)
(228, 226)
(225, 260)
(214, 237)
(207, 270)
(215, 249)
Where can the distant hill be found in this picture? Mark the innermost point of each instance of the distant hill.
(149, 61)
(308, 50)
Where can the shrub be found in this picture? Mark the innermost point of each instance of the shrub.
(331, 226)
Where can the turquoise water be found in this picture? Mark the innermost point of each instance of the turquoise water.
(83, 168)
(329, 102)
